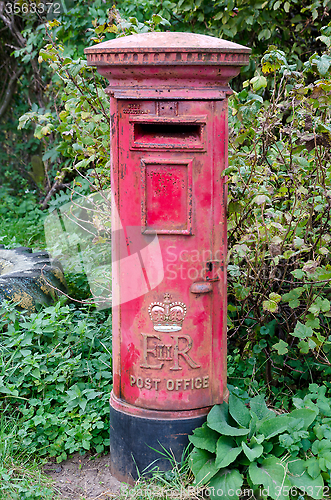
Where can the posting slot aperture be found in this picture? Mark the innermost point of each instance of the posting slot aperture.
(168, 134)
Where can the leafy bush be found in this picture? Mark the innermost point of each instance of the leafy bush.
(56, 372)
(279, 219)
(290, 24)
(281, 456)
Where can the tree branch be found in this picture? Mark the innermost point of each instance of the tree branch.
(10, 90)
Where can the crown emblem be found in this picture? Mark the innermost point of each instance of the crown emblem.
(167, 316)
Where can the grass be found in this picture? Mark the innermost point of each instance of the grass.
(20, 473)
(174, 484)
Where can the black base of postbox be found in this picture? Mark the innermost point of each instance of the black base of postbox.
(134, 439)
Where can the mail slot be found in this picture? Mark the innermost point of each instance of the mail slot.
(167, 134)
(168, 105)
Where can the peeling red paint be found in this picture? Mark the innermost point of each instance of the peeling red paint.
(169, 147)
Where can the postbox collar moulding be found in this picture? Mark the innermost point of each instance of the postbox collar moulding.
(168, 58)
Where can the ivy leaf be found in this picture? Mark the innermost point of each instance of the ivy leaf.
(302, 331)
(272, 475)
(303, 346)
(226, 451)
(238, 411)
(203, 466)
(281, 347)
(320, 305)
(218, 421)
(269, 328)
(225, 485)
(292, 297)
(312, 321)
(204, 438)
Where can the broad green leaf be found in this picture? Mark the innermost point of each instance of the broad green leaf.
(302, 331)
(226, 451)
(306, 414)
(224, 445)
(323, 63)
(203, 466)
(218, 421)
(266, 34)
(259, 407)
(275, 425)
(256, 97)
(260, 199)
(272, 475)
(258, 82)
(225, 485)
(321, 447)
(224, 461)
(252, 424)
(281, 347)
(252, 453)
(257, 439)
(313, 467)
(301, 479)
(298, 273)
(204, 438)
(238, 411)
(298, 242)
(325, 39)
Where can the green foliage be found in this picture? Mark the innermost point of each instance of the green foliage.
(74, 125)
(291, 25)
(56, 372)
(80, 115)
(21, 219)
(245, 445)
(279, 223)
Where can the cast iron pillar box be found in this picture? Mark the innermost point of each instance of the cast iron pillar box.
(168, 101)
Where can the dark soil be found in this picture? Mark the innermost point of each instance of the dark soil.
(83, 478)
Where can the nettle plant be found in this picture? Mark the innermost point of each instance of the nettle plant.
(279, 213)
(55, 373)
(249, 449)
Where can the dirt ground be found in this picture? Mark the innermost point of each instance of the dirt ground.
(84, 478)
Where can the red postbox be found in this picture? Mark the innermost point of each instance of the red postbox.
(168, 100)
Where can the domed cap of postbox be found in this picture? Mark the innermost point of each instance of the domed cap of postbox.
(168, 59)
